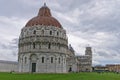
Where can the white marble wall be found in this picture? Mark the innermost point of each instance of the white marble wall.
(8, 66)
(47, 66)
(43, 41)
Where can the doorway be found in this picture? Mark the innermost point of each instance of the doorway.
(33, 67)
(70, 69)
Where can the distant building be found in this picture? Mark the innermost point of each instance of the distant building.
(108, 67)
(100, 68)
(43, 47)
(113, 67)
(8, 66)
(79, 63)
(85, 61)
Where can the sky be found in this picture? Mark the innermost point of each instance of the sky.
(87, 22)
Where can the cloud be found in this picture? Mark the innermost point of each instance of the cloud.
(10, 26)
(8, 50)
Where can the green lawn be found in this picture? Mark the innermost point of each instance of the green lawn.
(69, 76)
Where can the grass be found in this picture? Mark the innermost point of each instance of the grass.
(69, 76)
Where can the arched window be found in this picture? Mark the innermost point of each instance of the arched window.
(59, 60)
(34, 32)
(50, 32)
(49, 46)
(39, 45)
(33, 45)
(30, 45)
(59, 46)
(25, 60)
(64, 60)
(51, 59)
(57, 33)
(42, 32)
(43, 59)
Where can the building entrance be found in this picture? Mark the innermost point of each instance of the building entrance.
(33, 67)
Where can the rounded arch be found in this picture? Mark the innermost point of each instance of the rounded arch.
(51, 32)
(42, 32)
(57, 33)
(34, 32)
(43, 58)
(33, 57)
(52, 58)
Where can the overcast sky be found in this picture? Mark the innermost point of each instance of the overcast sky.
(93, 22)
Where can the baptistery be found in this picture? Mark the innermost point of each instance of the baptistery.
(43, 44)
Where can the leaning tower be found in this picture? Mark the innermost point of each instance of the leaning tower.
(88, 53)
(43, 44)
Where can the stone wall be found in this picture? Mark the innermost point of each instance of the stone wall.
(8, 66)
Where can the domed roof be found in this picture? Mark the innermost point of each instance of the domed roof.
(44, 17)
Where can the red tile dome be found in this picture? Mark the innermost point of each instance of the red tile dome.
(44, 17)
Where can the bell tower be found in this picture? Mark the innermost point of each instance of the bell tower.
(88, 51)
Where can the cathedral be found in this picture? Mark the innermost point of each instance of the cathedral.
(43, 47)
